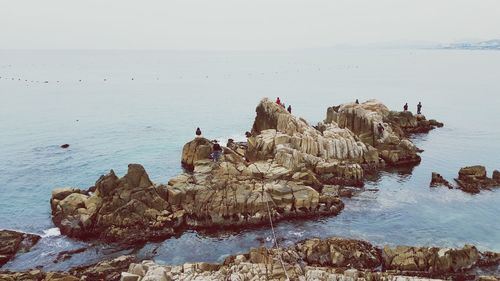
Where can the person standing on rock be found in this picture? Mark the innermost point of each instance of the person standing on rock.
(381, 130)
(357, 101)
(278, 101)
(217, 151)
(289, 109)
(419, 108)
(405, 107)
(198, 132)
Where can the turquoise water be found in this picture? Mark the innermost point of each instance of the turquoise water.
(147, 120)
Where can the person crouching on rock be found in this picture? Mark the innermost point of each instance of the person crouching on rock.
(198, 132)
(217, 151)
(289, 109)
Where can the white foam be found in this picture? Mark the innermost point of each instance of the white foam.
(51, 232)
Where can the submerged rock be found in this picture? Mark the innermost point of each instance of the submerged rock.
(13, 242)
(438, 180)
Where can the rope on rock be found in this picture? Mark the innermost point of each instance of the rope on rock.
(276, 245)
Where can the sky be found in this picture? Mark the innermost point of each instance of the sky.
(241, 24)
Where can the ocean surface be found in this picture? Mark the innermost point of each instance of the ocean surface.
(120, 107)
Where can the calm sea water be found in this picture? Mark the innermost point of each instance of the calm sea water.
(111, 120)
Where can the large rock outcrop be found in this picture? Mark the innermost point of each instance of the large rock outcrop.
(391, 143)
(327, 259)
(132, 209)
(13, 242)
(126, 209)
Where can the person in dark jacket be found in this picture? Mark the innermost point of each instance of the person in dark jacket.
(381, 130)
(198, 132)
(217, 151)
(405, 107)
(419, 108)
(289, 109)
(357, 101)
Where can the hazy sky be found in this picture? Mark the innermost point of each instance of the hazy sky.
(240, 24)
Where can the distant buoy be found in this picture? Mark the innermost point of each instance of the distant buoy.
(65, 145)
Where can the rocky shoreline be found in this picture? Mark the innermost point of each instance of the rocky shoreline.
(312, 259)
(13, 242)
(287, 169)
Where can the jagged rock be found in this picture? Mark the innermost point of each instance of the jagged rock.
(13, 242)
(438, 180)
(474, 178)
(128, 209)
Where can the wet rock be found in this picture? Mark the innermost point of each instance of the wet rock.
(438, 180)
(65, 145)
(474, 178)
(13, 242)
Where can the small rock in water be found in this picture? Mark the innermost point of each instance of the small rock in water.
(65, 145)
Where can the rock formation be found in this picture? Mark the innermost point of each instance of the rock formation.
(328, 259)
(471, 179)
(13, 242)
(287, 169)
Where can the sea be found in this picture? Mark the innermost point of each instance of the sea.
(115, 107)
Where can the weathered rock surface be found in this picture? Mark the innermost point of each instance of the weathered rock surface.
(13, 242)
(326, 259)
(470, 179)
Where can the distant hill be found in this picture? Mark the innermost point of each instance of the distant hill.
(481, 45)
